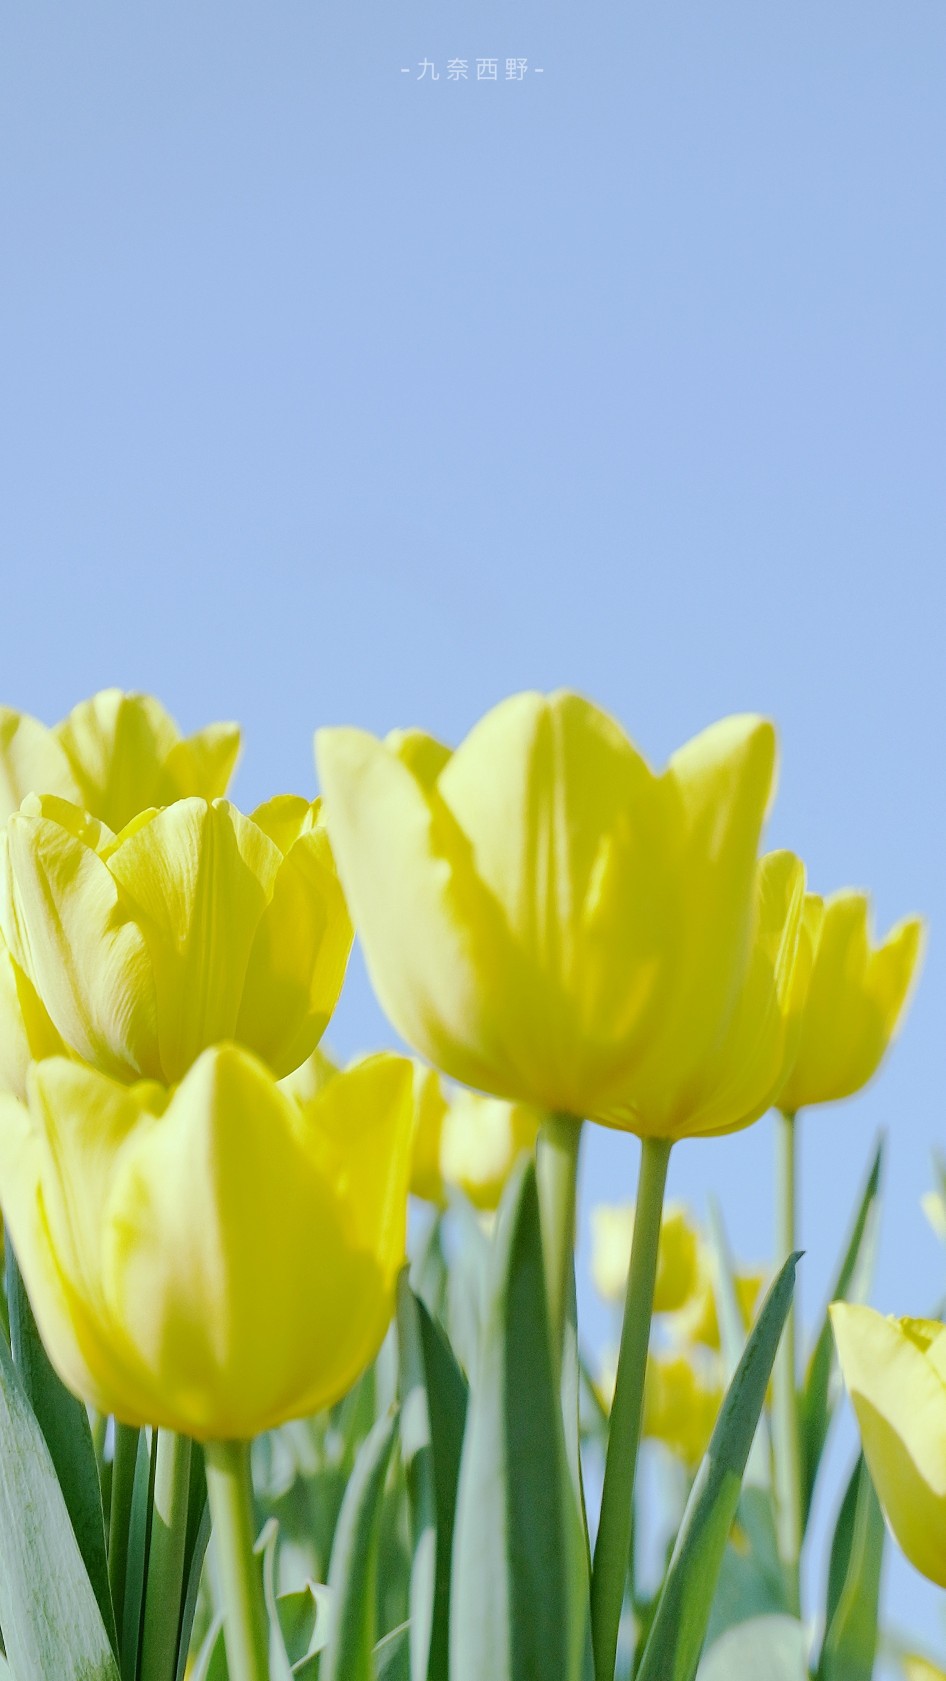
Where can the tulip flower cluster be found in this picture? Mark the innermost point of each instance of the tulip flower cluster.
(208, 1219)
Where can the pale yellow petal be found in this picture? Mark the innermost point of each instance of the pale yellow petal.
(297, 962)
(202, 764)
(117, 745)
(251, 1248)
(69, 930)
(197, 879)
(900, 1402)
(31, 761)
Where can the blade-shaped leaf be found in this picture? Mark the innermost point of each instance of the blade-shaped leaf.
(857, 1550)
(351, 1577)
(433, 1395)
(51, 1622)
(139, 1546)
(851, 1284)
(679, 1627)
(512, 1592)
(195, 1546)
(65, 1425)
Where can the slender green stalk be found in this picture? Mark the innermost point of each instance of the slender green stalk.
(166, 1557)
(124, 1459)
(556, 1175)
(785, 1422)
(613, 1543)
(231, 1508)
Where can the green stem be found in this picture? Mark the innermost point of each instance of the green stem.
(785, 1421)
(124, 1460)
(231, 1508)
(556, 1176)
(166, 1557)
(613, 1543)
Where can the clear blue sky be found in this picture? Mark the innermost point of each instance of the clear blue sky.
(328, 394)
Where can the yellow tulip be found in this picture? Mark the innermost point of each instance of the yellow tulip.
(856, 1000)
(895, 1372)
(216, 1259)
(612, 1232)
(697, 1321)
(193, 925)
(680, 1406)
(115, 755)
(547, 919)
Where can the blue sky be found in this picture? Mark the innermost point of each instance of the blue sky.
(330, 394)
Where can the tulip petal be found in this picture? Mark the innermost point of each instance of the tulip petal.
(251, 1250)
(67, 928)
(723, 781)
(26, 1032)
(856, 1000)
(900, 1402)
(31, 761)
(202, 764)
(117, 745)
(437, 950)
(87, 1357)
(298, 959)
(197, 879)
(762, 1038)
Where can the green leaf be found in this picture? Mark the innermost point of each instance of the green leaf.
(773, 1647)
(52, 1626)
(676, 1637)
(139, 1546)
(65, 1426)
(851, 1284)
(511, 1591)
(433, 1395)
(195, 1546)
(392, 1655)
(353, 1569)
(851, 1637)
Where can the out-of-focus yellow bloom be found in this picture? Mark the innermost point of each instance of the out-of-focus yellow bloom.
(547, 919)
(216, 1259)
(465, 1140)
(916, 1668)
(115, 755)
(697, 1321)
(856, 999)
(612, 1233)
(680, 1406)
(895, 1372)
(192, 926)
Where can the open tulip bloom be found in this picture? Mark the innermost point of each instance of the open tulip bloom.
(193, 925)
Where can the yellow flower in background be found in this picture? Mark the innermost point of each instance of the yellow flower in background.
(895, 1372)
(681, 1405)
(856, 1000)
(916, 1668)
(697, 1321)
(465, 1140)
(115, 755)
(193, 925)
(612, 1233)
(547, 919)
(217, 1259)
